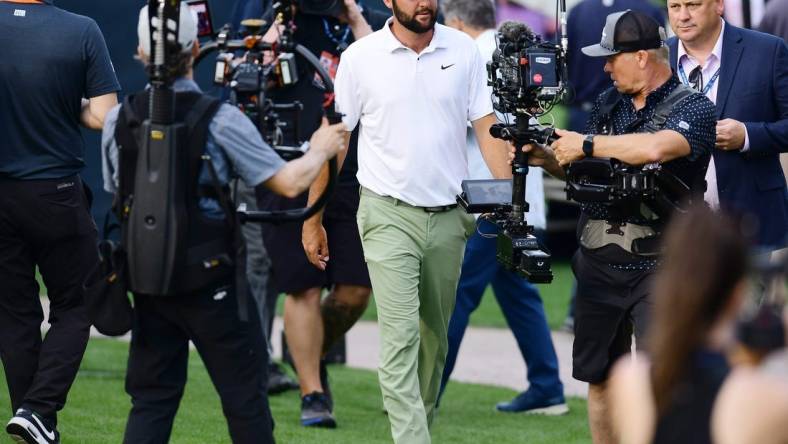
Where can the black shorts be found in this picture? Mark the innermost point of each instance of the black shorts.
(291, 272)
(611, 305)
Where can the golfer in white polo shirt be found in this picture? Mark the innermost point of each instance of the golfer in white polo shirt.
(413, 86)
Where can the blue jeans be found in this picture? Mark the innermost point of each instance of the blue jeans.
(521, 306)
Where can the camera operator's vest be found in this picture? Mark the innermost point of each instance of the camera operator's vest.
(612, 97)
(208, 252)
(638, 239)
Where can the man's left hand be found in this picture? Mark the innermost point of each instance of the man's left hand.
(730, 135)
(569, 147)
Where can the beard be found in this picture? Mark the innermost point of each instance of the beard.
(411, 23)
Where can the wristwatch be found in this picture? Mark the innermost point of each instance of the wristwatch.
(588, 145)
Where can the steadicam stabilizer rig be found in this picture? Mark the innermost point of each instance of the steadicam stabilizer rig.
(156, 232)
(528, 78)
(252, 76)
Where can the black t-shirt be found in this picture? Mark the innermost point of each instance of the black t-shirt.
(51, 60)
(688, 416)
(324, 37)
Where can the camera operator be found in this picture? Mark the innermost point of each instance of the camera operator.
(313, 326)
(49, 86)
(412, 87)
(233, 351)
(613, 280)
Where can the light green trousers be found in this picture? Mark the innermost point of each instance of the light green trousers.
(414, 261)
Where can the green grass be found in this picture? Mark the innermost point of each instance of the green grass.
(555, 297)
(97, 408)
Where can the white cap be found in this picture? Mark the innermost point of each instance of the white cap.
(187, 32)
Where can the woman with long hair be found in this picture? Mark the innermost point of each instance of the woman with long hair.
(668, 396)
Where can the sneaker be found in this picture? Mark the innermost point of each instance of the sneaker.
(30, 428)
(315, 411)
(278, 380)
(529, 402)
(324, 384)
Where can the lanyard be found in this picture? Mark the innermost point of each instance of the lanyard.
(341, 44)
(708, 86)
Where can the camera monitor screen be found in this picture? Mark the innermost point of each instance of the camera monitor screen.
(204, 23)
(486, 195)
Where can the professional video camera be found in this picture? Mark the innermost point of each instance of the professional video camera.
(251, 68)
(527, 76)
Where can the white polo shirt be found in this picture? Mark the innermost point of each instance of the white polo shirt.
(413, 109)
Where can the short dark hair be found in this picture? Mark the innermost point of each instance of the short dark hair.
(479, 14)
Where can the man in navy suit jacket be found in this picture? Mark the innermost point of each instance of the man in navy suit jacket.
(745, 73)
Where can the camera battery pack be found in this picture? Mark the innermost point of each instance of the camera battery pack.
(542, 69)
(287, 70)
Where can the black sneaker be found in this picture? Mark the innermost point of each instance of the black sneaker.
(324, 384)
(315, 411)
(278, 380)
(28, 427)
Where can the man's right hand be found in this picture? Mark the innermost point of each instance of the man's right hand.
(538, 155)
(315, 242)
(329, 139)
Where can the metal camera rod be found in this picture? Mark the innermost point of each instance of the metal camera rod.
(160, 14)
(520, 134)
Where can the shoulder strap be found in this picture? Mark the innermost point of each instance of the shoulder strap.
(127, 132)
(198, 121)
(666, 107)
(697, 187)
(610, 99)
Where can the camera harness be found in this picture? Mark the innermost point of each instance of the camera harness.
(638, 239)
(206, 255)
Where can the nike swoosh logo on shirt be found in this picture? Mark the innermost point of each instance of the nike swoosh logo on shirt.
(447, 66)
(49, 434)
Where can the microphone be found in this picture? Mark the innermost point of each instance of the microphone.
(513, 31)
(511, 34)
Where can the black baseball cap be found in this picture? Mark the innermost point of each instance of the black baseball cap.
(627, 31)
